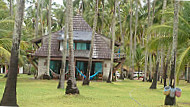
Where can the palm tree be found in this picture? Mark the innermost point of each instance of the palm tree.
(162, 54)
(9, 96)
(11, 7)
(136, 25)
(169, 100)
(71, 83)
(131, 39)
(146, 53)
(64, 52)
(103, 6)
(166, 67)
(87, 79)
(122, 38)
(42, 27)
(37, 17)
(150, 55)
(155, 78)
(49, 41)
(113, 41)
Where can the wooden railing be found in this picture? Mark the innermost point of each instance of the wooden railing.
(119, 55)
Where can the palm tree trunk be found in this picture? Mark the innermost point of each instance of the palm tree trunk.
(162, 51)
(163, 9)
(166, 67)
(169, 100)
(37, 17)
(113, 42)
(162, 64)
(143, 36)
(136, 25)
(9, 96)
(146, 53)
(49, 41)
(122, 40)
(64, 52)
(42, 24)
(131, 40)
(102, 27)
(150, 61)
(87, 79)
(150, 68)
(71, 83)
(11, 7)
(139, 69)
(135, 36)
(155, 78)
(188, 74)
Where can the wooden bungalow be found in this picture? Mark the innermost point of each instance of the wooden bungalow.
(82, 33)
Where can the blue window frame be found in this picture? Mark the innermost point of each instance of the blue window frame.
(82, 46)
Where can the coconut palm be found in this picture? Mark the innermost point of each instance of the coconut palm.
(87, 79)
(155, 78)
(11, 7)
(113, 40)
(64, 52)
(9, 96)
(188, 73)
(170, 100)
(146, 53)
(131, 38)
(136, 25)
(37, 17)
(122, 37)
(71, 83)
(49, 41)
(41, 12)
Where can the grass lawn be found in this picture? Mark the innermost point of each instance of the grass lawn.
(43, 93)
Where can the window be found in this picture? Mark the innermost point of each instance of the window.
(61, 46)
(98, 66)
(82, 46)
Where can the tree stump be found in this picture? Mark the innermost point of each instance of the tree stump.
(71, 87)
(46, 77)
(170, 100)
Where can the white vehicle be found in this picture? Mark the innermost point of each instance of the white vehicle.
(135, 74)
(117, 74)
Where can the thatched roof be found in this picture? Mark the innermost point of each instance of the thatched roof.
(81, 32)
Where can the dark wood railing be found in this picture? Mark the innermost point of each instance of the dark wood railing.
(119, 55)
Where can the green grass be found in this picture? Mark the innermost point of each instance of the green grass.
(43, 93)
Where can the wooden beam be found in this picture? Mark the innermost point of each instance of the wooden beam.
(30, 60)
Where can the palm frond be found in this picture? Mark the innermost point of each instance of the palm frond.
(180, 17)
(5, 54)
(182, 60)
(164, 30)
(6, 43)
(154, 43)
